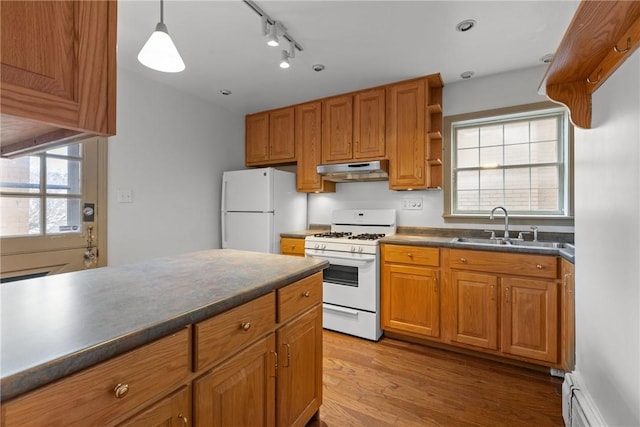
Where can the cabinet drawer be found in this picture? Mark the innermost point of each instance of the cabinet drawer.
(504, 263)
(89, 397)
(292, 246)
(227, 333)
(411, 255)
(298, 297)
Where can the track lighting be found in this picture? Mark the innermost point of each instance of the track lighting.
(159, 53)
(273, 29)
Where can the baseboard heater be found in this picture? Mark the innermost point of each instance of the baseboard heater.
(578, 409)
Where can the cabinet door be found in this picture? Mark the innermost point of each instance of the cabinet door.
(369, 125)
(567, 321)
(411, 300)
(172, 411)
(406, 135)
(299, 388)
(530, 318)
(281, 135)
(476, 309)
(337, 129)
(58, 68)
(241, 391)
(256, 138)
(308, 138)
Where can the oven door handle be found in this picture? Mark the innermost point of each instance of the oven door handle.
(346, 261)
(340, 309)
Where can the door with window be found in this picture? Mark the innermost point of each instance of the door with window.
(53, 211)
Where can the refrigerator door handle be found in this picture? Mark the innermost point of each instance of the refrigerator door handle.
(224, 229)
(223, 208)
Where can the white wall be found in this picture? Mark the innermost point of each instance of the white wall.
(170, 150)
(485, 93)
(607, 233)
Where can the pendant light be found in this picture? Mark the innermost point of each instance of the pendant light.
(159, 53)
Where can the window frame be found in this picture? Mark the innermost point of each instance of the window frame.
(493, 115)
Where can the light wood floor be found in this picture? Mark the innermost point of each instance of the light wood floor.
(393, 383)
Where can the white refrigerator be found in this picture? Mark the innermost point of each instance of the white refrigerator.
(259, 204)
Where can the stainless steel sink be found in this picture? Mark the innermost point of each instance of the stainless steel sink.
(512, 242)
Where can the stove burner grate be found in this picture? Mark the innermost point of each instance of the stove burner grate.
(367, 236)
(334, 234)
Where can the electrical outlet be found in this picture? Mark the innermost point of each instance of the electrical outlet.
(125, 195)
(412, 203)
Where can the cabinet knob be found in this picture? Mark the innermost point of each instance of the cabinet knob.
(463, 260)
(410, 255)
(539, 266)
(121, 390)
(245, 326)
(306, 294)
(184, 419)
(293, 246)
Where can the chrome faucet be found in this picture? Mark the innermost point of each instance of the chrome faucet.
(506, 221)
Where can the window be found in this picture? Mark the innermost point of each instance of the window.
(42, 194)
(517, 158)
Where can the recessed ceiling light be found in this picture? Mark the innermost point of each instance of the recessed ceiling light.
(467, 75)
(225, 92)
(317, 67)
(466, 25)
(547, 58)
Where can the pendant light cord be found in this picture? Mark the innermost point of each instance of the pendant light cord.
(162, 11)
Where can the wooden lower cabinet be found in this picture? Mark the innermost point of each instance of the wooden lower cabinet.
(567, 316)
(241, 391)
(292, 246)
(513, 305)
(530, 318)
(172, 411)
(475, 306)
(299, 382)
(410, 291)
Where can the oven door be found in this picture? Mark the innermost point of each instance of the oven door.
(351, 280)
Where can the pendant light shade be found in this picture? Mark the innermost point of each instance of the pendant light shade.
(159, 52)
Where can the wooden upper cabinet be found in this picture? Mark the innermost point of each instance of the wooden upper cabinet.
(337, 129)
(58, 72)
(269, 137)
(281, 135)
(256, 138)
(406, 134)
(369, 125)
(308, 137)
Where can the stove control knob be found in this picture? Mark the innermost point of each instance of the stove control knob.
(323, 246)
(316, 246)
(353, 248)
(360, 249)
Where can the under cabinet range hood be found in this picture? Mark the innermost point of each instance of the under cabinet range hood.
(376, 170)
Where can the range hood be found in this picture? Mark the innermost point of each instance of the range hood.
(377, 170)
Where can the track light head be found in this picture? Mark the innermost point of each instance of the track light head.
(285, 60)
(272, 38)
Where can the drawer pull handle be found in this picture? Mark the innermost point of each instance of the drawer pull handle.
(410, 255)
(184, 419)
(245, 326)
(539, 266)
(463, 260)
(306, 294)
(293, 247)
(121, 390)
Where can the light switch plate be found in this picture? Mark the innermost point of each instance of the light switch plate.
(124, 195)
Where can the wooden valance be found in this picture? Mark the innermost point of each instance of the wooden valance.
(601, 36)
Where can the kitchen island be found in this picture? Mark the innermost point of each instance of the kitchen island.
(57, 329)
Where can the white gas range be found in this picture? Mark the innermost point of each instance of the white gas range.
(351, 283)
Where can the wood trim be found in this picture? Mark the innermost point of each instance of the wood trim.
(586, 56)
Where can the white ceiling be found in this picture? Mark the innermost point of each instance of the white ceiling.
(361, 43)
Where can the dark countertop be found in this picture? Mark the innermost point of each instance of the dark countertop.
(567, 253)
(56, 325)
